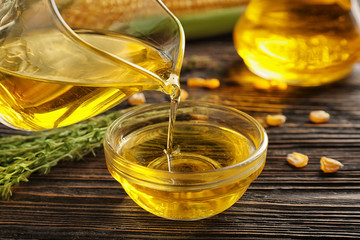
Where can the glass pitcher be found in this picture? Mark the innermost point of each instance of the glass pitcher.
(63, 61)
(301, 42)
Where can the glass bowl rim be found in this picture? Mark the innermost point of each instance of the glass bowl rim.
(260, 150)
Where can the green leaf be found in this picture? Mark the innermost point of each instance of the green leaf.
(211, 23)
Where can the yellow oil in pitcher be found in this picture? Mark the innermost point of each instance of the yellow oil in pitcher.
(305, 42)
(57, 67)
(64, 90)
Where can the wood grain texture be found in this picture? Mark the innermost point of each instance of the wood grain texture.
(82, 201)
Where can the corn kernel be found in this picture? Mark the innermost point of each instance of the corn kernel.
(275, 120)
(195, 82)
(183, 95)
(212, 83)
(297, 159)
(262, 85)
(265, 85)
(276, 85)
(201, 117)
(137, 99)
(329, 165)
(201, 82)
(319, 116)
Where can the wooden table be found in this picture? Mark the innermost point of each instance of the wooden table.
(82, 201)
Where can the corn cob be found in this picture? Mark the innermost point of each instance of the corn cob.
(186, 7)
(199, 18)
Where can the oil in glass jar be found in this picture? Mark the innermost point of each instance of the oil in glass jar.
(305, 42)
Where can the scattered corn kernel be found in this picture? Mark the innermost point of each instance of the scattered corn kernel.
(137, 99)
(297, 159)
(212, 83)
(199, 116)
(183, 95)
(319, 116)
(201, 82)
(276, 85)
(264, 85)
(275, 120)
(329, 165)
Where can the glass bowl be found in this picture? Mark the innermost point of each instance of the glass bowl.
(217, 152)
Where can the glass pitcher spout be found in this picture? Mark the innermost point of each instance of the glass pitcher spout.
(63, 61)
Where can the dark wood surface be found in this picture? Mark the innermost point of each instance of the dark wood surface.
(82, 201)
